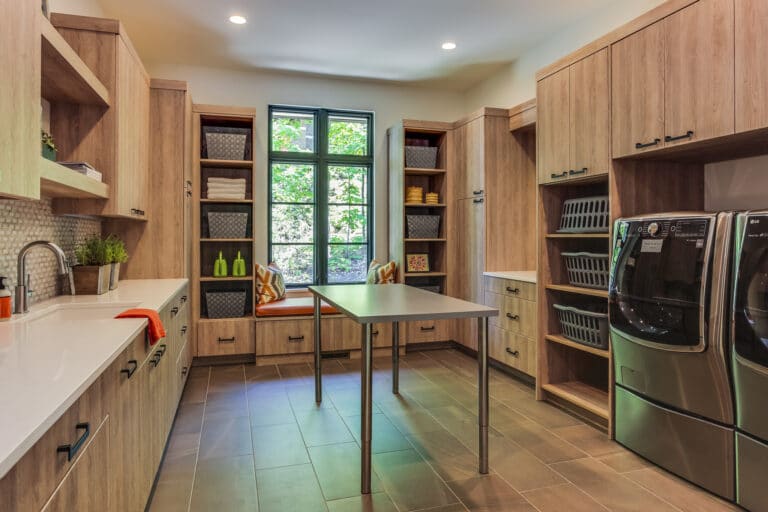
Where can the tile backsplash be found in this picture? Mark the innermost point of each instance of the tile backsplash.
(22, 222)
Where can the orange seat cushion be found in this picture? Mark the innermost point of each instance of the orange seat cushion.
(293, 306)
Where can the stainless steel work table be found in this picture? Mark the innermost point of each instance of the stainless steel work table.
(368, 304)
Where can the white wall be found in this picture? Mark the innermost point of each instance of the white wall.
(81, 7)
(516, 82)
(736, 184)
(259, 89)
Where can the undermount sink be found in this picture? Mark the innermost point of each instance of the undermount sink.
(80, 312)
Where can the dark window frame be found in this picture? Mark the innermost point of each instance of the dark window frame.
(321, 160)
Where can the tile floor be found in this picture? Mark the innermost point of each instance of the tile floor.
(251, 438)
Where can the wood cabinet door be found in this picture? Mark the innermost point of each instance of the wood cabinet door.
(470, 148)
(20, 99)
(225, 337)
(589, 116)
(637, 91)
(699, 72)
(552, 127)
(470, 261)
(751, 65)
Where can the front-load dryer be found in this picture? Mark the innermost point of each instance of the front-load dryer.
(668, 310)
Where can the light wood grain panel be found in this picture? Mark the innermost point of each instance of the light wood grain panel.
(699, 71)
(290, 336)
(396, 162)
(553, 127)
(511, 288)
(515, 315)
(512, 350)
(637, 89)
(470, 179)
(215, 337)
(524, 120)
(751, 47)
(590, 115)
(20, 99)
(426, 331)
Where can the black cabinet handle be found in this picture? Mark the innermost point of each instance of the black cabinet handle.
(155, 359)
(184, 330)
(476, 201)
(513, 290)
(130, 371)
(183, 299)
(184, 371)
(375, 333)
(162, 350)
(430, 328)
(515, 353)
(477, 192)
(558, 176)
(227, 340)
(136, 211)
(295, 339)
(513, 317)
(686, 135)
(72, 449)
(573, 172)
(640, 145)
(174, 311)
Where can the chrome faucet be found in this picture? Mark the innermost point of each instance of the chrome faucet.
(22, 284)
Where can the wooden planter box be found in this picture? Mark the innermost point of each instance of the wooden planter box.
(92, 280)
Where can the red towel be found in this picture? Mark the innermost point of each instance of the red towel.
(155, 329)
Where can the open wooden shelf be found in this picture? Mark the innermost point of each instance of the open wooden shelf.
(424, 205)
(424, 274)
(65, 77)
(416, 240)
(578, 235)
(562, 340)
(237, 164)
(592, 292)
(225, 240)
(58, 181)
(582, 395)
(419, 171)
(210, 279)
(227, 201)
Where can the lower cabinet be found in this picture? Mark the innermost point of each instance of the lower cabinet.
(427, 331)
(225, 337)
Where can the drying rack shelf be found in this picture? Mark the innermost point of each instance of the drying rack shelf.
(562, 340)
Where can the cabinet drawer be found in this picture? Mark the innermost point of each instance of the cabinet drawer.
(225, 337)
(382, 335)
(426, 331)
(285, 336)
(519, 289)
(515, 314)
(346, 334)
(512, 349)
(183, 365)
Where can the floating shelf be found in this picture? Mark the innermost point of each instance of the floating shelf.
(58, 181)
(65, 77)
(416, 240)
(419, 171)
(578, 290)
(424, 274)
(562, 340)
(424, 205)
(582, 395)
(225, 240)
(579, 235)
(225, 279)
(228, 201)
(239, 164)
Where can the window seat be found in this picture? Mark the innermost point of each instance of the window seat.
(293, 306)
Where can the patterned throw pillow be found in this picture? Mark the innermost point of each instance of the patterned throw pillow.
(270, 285)
(381, 273)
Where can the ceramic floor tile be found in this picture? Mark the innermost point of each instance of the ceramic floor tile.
(589, 440)
(189, 418)
(347, 401)
(377, 502)
(225, 437)
(254, 373)
(323, 426)
(289, 488)
(386, 438)
(489, 494)
(195, 390)
(278, 445)
(677, 492)
(337, 467)
(552, 499)
(226, 404)
(523, 470)
(302, 398)
(225, 484)
(542, 413)
(266, 410)
(539, 441)
(170, 497)
(624, 461)
(446, 454)
(409, 417)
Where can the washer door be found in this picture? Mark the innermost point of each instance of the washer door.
(658, 282)
(751, 297)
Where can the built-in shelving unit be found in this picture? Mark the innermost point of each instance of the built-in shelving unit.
(58, 181)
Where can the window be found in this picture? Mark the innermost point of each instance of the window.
(320, 170)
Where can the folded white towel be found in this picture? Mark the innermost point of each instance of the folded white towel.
(227, 181)
(221, 195)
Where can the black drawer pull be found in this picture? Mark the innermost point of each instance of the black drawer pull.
(184, 330)
(130, 371)
(430, 328)
(476, 201)
(295, 339)
(511, 352)
(686, 135)
(477, 192)
(558, 176)
(174, 311)
(640, 145)
(162, 350)
(227, 340)
(184, 371)
(513, 317)
(183, 299)
(573, 172)
(375, 333)
(513, 290)
(155, 360)
(72, 449)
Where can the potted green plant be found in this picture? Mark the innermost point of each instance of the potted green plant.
(119, 255)
(92, 273)
(49, 148)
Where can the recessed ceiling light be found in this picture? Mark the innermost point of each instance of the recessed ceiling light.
(449, 45)
(238, 20)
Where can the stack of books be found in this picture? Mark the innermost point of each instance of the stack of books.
(83, 168)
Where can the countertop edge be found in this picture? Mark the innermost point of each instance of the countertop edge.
(527, 276)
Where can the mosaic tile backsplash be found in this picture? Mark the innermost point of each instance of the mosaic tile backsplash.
(22, 222)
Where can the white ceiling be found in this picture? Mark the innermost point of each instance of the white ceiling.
(394, 40)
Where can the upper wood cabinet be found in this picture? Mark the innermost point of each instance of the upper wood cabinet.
(573, 121)
(20, 99)
(115, 141)
(751, 64)
(672, 82)
(470, 172)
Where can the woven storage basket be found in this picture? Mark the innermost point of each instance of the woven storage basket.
(423, 226)
(227, 224)
(424, 157)
(586, 327)
(585, 215)
(225, 143)
(430, 288)
(225, 304)
(587, 269)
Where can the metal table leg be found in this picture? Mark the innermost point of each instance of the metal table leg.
(396, 357)
(482, 365)
(366, 416)
(318, 360)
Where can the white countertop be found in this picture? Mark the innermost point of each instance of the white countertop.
(528, 276)
(45, 365)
